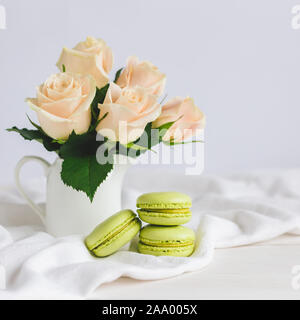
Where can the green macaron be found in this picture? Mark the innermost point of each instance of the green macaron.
(113, 233)
(164, 208)
(175, 241)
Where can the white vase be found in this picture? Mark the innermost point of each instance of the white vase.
(69, 211)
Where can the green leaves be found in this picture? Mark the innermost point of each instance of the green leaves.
(80, 168)
(84, 174)
(118, 73)
(149, 139)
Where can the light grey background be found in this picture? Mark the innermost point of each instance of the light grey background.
(240, 60)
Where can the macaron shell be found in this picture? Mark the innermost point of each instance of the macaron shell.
(118, 241)
(164, 200)
(164, 218)
(166, 251)
(108, 227)
(162, 240)
(165, 234)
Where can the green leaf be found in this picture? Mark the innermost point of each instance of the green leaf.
(84, 174)
(95, 124)
(149, 138)
(60, 141)
(163, 129)
(35, 125)
(27, 134)
(63, 68)
(118, 73)
(37, 135)
(80, 168)
(102, 118)
(137, 147)
(172, 143)
(146, 142)
(50, 145)
(166, 126)
(80, 145)
(99, 98)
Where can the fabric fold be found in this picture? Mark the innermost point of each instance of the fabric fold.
(228, 211)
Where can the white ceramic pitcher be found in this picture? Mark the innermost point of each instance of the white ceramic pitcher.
(69, 211)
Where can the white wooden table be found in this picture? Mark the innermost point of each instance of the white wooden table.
(261, 271)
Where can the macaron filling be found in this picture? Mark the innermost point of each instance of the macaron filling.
(167, 217)
(158, 214)
(166, 243)
(171, 211)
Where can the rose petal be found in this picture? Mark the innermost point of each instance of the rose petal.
(63, 108)
(170, 112)
(113, 93)
(55, 127)
(86, 64)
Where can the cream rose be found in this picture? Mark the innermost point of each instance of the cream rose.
(143, 74)
(63, 104)
(187, 116)
(91, 57)
(128, 112)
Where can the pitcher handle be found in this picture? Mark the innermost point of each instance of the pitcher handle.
(46, 165)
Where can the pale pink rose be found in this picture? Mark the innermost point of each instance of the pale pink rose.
(128, 112)
(91, 57)
(187, 116)
(63, 104)
(143, 74)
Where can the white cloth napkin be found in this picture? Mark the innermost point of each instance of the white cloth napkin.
(227, 211)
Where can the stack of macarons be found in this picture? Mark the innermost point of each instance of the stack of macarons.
(165, 212)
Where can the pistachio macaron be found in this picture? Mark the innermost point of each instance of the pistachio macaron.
(113, 233)
(164, 208)
(176, 241)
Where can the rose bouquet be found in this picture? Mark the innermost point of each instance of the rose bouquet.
(86, 119)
